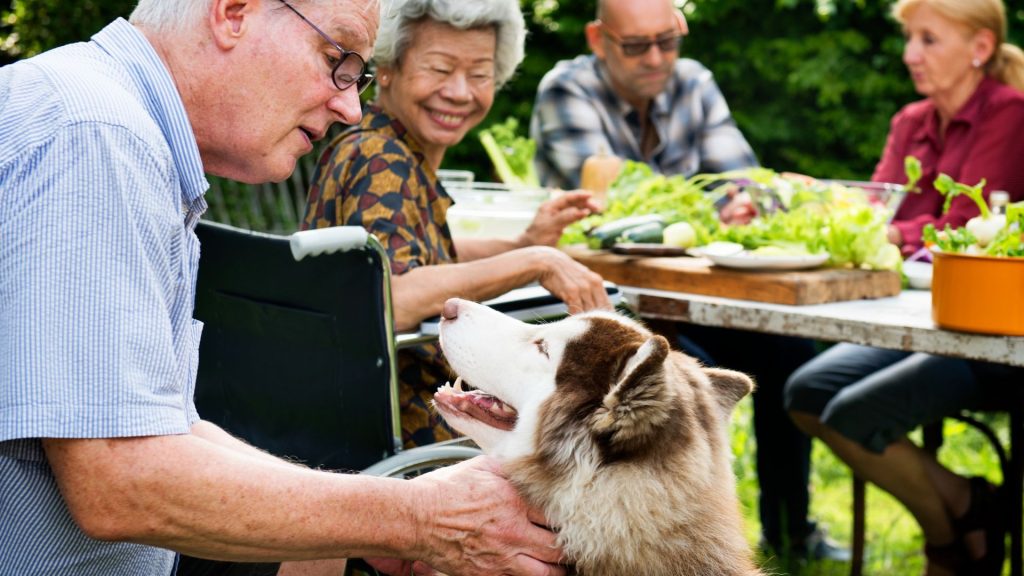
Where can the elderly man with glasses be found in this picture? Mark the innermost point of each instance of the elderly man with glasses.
(105, 466)
(635, 98)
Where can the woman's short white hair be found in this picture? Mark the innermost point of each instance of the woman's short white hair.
(399, 17)
(180, 15)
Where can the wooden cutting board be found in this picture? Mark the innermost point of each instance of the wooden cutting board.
(700, 276)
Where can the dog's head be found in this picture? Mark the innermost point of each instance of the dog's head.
(596, 374)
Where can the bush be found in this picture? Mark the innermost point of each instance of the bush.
(33, 26)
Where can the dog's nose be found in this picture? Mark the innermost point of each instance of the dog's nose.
(451, 308)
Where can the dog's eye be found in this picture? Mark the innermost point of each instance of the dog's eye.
(542, 347)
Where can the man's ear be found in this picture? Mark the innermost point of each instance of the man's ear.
(593, 31)
(681, 21)
(229, 20)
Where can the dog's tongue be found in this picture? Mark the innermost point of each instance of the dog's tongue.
(477, 405)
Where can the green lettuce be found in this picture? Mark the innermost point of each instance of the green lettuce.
(511, 154)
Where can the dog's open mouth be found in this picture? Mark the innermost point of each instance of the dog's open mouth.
(475, 404)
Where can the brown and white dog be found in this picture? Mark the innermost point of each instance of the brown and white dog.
(619, 440)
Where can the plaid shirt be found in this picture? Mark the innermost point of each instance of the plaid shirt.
(577, 114)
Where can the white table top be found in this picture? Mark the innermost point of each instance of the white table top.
(902, 322)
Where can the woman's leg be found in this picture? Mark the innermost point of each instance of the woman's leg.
(865, 424)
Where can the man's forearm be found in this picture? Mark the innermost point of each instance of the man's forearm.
(197, 496)
(219, 436)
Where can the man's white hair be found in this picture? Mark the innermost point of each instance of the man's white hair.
(399, 17)
(181, 15)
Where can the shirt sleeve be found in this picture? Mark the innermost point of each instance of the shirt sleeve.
(890, 166)
(92, 267)
(722, 146)
(567, 128)
(379, 192)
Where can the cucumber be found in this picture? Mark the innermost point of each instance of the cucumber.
(608, 233)
(649, 233)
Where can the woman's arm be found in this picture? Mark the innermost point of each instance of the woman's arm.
(546, 228)
(421, 292)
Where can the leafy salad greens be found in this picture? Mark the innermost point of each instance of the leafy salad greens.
(811, 216)
(511, 154)
(986, 234)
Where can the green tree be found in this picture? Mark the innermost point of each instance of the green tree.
(32, 26)
(812, 83)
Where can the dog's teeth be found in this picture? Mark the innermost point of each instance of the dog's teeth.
(458, 384)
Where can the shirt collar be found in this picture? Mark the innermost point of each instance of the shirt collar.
(129, 46)
(376, 119)
(969, 114)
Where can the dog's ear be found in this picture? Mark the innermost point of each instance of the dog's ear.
(635, 408)
(730, 386)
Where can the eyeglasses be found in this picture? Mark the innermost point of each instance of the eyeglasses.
(633, 48)
(350, 68)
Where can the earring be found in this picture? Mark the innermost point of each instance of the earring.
(976, 63)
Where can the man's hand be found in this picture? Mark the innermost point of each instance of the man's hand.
(474, 523)
(395, 567)
(739, 210)
(555, 214)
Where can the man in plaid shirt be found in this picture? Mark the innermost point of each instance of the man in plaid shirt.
(633, 97)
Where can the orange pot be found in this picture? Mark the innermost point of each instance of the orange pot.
(978, 293)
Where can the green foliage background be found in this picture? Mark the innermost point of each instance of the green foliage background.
(812, 83)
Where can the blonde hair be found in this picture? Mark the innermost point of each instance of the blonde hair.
(1007, 62)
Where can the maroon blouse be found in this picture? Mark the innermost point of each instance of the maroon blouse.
(984, 140)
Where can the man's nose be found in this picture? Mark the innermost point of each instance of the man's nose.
(346, 105)
(653, 56)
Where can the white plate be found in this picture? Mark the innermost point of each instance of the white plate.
(715, 248)
(752, 261)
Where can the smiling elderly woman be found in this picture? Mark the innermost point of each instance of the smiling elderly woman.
(439, 65)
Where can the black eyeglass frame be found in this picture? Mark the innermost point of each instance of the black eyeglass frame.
(635, 48)
(342, 79)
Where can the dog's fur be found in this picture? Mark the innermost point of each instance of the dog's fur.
(619, 440)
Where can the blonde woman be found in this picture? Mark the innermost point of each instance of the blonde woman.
(862, 401)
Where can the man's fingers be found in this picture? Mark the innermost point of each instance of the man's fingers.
(528, 566)
(423, 569)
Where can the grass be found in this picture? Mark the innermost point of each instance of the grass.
(894, 541)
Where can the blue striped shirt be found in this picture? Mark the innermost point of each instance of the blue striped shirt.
(578, 114)
(101, 184)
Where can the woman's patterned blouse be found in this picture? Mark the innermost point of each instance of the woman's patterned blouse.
(374, 175)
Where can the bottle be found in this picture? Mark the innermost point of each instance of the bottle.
(997, 201)
(598, 172)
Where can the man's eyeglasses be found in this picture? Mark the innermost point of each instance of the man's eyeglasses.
(665, 43)
(350, 68)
